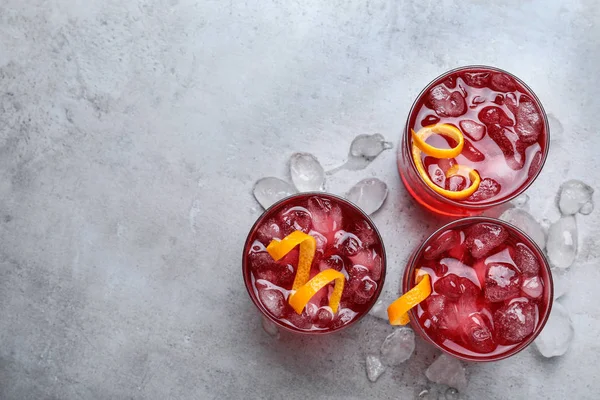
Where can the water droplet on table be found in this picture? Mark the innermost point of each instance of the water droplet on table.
(447, 370)
(369, 194)
(374, 367)
(573, 195)
(398, 346)
(306, 172)
(268, 191)
(562, 242)
(555, 338)
(525, 221)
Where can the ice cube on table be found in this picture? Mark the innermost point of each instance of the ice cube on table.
(447, 370)
(521, 201)
(369, 194)
(306, 172)
(587, 208)
(555, 338)
(398, 346)
(374, 367)
(562, 282)
(270, 327)
(573, 195)
(525, 221)
(379, 310)
(270, 190)
(368, 146)
(562, 242)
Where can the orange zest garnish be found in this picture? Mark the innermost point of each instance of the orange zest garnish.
(398, 310)
(308, 246)
(300, 298)
(420, 145)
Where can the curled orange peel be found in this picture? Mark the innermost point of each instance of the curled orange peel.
(419, 145)
(398, 310)
(300, 298)
(308, 246)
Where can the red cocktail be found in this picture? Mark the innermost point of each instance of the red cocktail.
(506, 139)
(346, 241)
(491, 289)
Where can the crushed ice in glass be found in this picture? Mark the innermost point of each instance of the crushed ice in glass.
(525, 221)
(447, 370)
(369, 194)
(555, 338)
(374, 367)
(573, 195)
(562, 242)
(306, 172)
(398, 346)
(270, 327)
(268, 191)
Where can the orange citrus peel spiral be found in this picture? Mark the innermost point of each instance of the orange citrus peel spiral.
(304, 289)
(300, 298)
(398, 310)
(420, 145)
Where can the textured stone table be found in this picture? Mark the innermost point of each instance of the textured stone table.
(131, 133)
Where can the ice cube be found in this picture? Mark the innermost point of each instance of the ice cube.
(347, 243)
(482, 238)
(374, 367)
(573, 195)
(526, 260)
(379, 310)
(306, 172)
(270, 327)
(368, 146)
(555, 338)
(524, 221)
(268, 231)
(532, 287)
(398, 346)
(477, 333)
(273, 300)
(445, 103)
(365, 290)
(514, 321)
(295, 219)
(444, 242)
(472, 129)
(487, 189)
(369, 259)
(562, 282)
(447, 370)
(521, 201)
(502, 282)
(562, 242)
(587, 208)
(369, 194)
(326, 216)
(268, 191)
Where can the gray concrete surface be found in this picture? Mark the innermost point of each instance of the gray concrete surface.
(131, 133)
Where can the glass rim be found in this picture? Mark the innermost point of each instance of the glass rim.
(246, 269)
(484, 206)
(530, 243)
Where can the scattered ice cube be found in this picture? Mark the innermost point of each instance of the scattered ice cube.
(573, 195)
(268, 191)
(587, 208)
(369, 194)
(379, 310)
(363, 150)
(398, 346)
(369, 146)
(555, 338)
(270, 328)
(562, 242)
(451, 394)
(447, 370)
(521, 201)
(374, 367)
(307, 173)
(524, 221)
(562, 282)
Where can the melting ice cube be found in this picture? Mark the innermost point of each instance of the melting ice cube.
(268, 191)
(374, 367)
(562, 242)
(398, 346)
(447, 370)
(555, 338)
(306, 172)
(524, 221)
(573, 195)
(369, 194)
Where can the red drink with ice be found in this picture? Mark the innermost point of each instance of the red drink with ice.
(506, 138)
(491, 289)
(347, 241)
